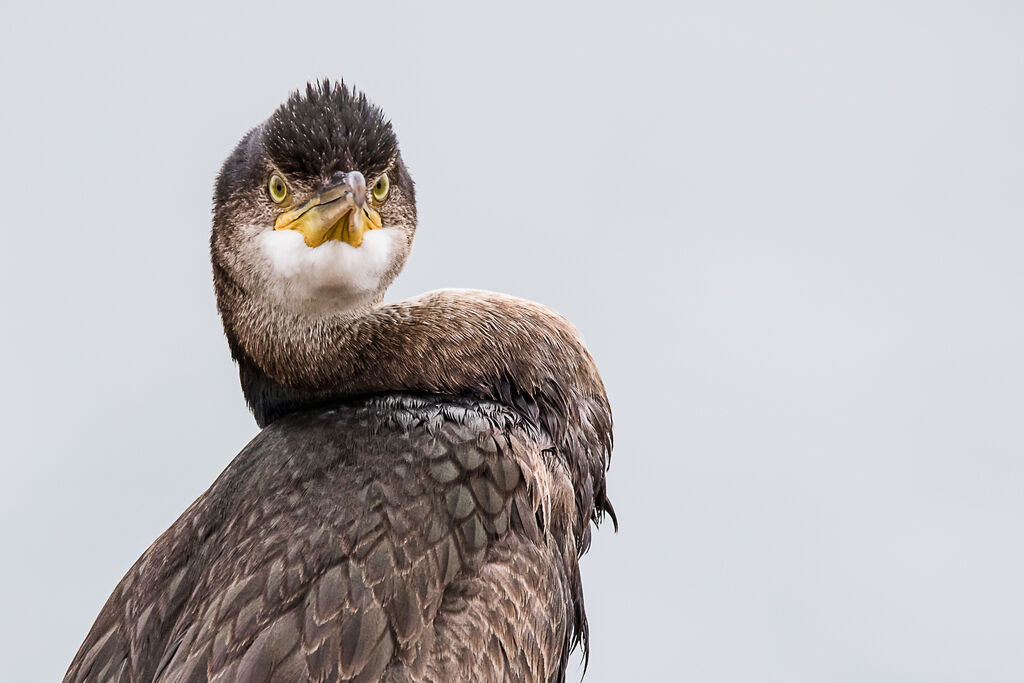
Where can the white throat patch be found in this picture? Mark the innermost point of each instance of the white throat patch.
(332, 277)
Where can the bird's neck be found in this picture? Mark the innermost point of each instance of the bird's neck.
(448, 343)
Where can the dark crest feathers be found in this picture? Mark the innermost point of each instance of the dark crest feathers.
(329, 127)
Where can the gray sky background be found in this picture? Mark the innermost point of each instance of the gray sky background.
(792, 237)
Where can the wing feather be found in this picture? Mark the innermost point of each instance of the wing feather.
(396, 539)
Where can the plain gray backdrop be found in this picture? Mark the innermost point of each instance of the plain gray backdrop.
(791, 235)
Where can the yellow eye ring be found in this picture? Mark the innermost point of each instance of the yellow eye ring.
(277, 188)
(381, 187)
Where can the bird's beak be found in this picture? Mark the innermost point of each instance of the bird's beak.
(339, 211)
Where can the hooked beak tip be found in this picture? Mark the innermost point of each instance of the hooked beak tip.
(357, 182)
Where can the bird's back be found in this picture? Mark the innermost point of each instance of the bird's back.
(394, 538)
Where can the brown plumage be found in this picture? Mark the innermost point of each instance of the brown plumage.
(416, 504)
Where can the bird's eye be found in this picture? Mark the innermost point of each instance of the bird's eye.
(277, 188)
(381, 187)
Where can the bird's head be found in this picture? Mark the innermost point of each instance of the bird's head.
(314, 211)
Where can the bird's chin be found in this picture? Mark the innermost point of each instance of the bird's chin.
(334, 277)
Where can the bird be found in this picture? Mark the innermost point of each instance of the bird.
(427, 474)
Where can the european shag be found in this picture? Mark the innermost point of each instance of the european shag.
(416, 504)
